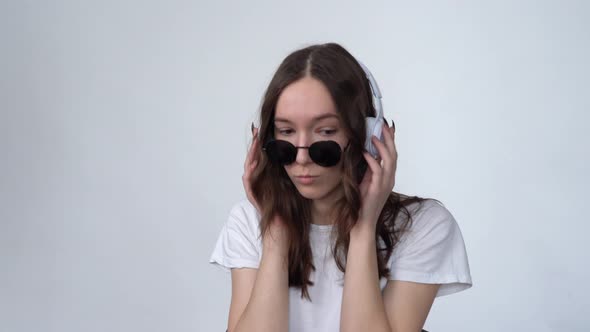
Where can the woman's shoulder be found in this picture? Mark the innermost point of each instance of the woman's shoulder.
(244, 215)
(245, 208)
(431, 219)
(434, 207)
(238, 244)
(433, 250)
(423, 206)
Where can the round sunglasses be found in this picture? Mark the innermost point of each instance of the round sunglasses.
(323, 153)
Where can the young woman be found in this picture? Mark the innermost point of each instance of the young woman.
(322, 243)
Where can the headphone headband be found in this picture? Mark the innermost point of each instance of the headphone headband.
(374, 90)
(374, 124)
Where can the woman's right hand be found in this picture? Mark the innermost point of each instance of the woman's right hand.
(278, 230)
(249, 166)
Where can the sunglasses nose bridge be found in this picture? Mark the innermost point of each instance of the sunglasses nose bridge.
(302, 155)
(302, 148)
(303, 141)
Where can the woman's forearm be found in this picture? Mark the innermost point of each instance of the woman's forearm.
(268, 307)
(362, 303)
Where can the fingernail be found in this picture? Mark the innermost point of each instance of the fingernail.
(252, 128)
(393, 124)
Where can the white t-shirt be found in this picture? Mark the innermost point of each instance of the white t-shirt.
(431, 252)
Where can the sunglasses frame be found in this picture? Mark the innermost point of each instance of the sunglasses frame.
(293, 156)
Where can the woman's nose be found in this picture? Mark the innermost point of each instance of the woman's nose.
(303, 150)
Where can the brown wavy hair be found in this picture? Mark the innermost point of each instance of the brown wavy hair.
(346, 81)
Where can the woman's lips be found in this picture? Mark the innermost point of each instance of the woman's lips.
(306, 179)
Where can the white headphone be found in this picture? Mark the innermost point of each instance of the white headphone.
(374, 124)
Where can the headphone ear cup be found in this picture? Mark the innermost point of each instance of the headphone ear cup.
(374, 127)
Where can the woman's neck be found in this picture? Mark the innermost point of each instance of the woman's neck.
(321, 208)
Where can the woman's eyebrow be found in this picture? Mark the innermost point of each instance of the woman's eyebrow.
(315, 119)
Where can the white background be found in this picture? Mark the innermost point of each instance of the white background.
(124, 127)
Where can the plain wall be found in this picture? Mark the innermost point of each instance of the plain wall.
(124, 127)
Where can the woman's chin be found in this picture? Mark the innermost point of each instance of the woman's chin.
(310, 193)
(314, 193)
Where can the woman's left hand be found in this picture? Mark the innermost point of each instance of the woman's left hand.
(378, 181)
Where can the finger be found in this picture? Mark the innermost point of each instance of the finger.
(255, 141)
(390, 168)
(246, 183)
(388, 138)
(255, 147)
(248, 160)
(391, 175)
(365, 182)
(394, 146)
(253, 165)
(251, 156)
(378, 159)
(384, 152)
(374, 166)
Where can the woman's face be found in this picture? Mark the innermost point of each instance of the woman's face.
(306, 113)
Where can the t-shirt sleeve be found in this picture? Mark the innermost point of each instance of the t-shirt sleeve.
(238, 245)
(433, 251)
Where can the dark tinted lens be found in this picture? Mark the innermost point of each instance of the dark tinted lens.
(325, 153)
(280, 152)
